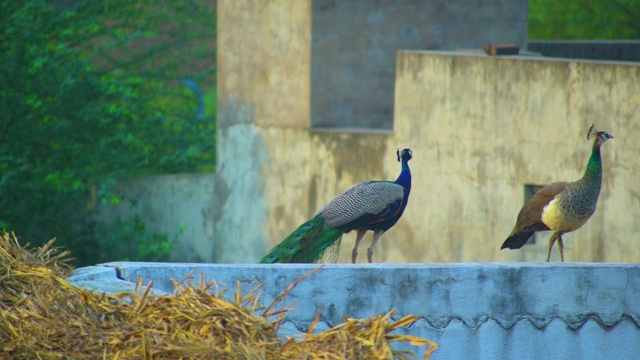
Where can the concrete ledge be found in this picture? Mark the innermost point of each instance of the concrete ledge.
(105, 279)
(616, 50)
(504, 308)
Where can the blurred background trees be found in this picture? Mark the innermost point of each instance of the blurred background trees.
(92, 91)
(584, 20)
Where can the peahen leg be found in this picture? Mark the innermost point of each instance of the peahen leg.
(354, 252)
(561, 245)
(552, 240)
(376, 236)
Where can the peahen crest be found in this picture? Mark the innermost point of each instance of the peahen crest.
(593, 132)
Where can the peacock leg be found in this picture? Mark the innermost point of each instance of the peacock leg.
(561, 244)
(354, 252)
(552, 240)
(376, 236)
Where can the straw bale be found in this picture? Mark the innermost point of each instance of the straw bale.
(42, 316)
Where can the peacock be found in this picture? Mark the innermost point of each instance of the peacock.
(562, 206)
(369, 205)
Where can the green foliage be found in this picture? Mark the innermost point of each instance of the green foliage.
(584, 19)
(90, 92)
(129, 240)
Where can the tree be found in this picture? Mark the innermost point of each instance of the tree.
(90, 92)
(584, 19)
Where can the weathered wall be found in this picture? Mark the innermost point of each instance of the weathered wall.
(263, 83)
(617, 50)
(264, 53)
(179, 205)
(462, 169)
(354, 45)
(473, 311)
(482, 127)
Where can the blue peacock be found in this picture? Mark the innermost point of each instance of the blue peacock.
(369, 205)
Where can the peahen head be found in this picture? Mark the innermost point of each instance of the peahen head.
(601, 136)
(405, 154)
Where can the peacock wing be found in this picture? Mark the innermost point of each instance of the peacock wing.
(379, 198)
(530, 216)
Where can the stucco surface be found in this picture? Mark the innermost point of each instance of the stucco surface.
(484, 127)
(353, 47)
(481, 128)
(473, 311)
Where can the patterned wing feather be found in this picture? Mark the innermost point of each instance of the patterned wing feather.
(365, 198)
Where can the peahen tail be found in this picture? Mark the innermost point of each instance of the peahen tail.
(306, 244)
(516, 241)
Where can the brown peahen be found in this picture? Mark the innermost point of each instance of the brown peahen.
(369, 205)
(563, 206)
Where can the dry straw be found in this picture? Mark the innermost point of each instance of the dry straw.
(42, 316)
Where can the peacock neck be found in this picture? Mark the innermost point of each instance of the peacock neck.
(404, 178)
(593, 174)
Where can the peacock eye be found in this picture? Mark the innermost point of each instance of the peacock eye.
(272, 256)
(291, 247)
(298, 235)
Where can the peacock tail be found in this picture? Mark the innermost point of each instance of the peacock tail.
(307, 244)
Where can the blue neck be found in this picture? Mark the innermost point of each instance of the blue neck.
(404, 178)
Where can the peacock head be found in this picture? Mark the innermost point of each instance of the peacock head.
(601, 136)
(405, 154)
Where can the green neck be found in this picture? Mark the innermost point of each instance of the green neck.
(593, 173)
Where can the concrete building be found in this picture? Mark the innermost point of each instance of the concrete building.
(484, 131)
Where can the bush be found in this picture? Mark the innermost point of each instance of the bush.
(90, 92)
(584, 20)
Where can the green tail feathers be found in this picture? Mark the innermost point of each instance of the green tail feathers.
(306, 244)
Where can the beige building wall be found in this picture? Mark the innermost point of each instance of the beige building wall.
(480, 129)
(483, 127)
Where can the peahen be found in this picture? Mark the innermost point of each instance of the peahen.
(369, 205)
(563, 206)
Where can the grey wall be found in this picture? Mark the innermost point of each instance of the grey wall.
(617, 50)
(177, 204)
(468, 188)
(482, 127)
(473, 311)
(274, 172)
(354, 46)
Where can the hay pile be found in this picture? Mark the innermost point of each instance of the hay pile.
(42, 316)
